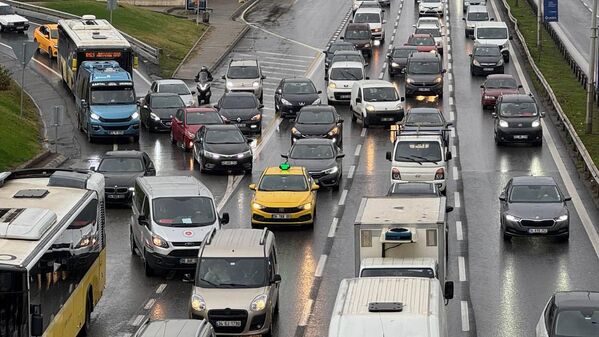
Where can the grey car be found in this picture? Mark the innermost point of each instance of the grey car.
(424, 74)
(320, 157)
(175, 328)
(244, 75)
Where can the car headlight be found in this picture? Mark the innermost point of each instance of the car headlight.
(331, 170)
(332, 85)
(256, 205)
(86, 241)
(536, 124)
(295, 132)
(466, 4)
(503, 124)
(370, 108)
(409, 80)
(198, 303)
(159, 242)
(211, 155)
(135, 115)
(131, 189)
(316, 101)
(154, 116)
(367, 45)
(256, 117)
(434, 51)
(476, 63)
(256, 84)
(394, 64)
(229, 84)
(94, 116)
(245, 154)
(438, 79)
(512, 218)
(306, 206)
(562, 218)
(333, 131)
(376, 30)
(285, 102)
(259, 303)
(500, 62)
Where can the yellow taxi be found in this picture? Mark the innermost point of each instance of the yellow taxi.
(284, 195)
(46, 37)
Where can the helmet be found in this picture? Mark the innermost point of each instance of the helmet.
(204, 68)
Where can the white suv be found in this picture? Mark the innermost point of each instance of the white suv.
(9, 21)
(431, 7)
(375, 101)
(341, 78)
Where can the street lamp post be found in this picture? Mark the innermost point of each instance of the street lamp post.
(591, 79)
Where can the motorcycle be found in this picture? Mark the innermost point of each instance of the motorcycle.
(203, 88)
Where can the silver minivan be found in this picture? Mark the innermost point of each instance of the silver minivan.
(171, 216)
(245, 75)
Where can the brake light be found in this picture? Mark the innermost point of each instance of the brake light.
(395, 175)
(440, 174)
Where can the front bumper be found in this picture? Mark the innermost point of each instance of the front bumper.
(118, 195)
(16, 28)
(338, 95)
(233, 164)
(114, 129)
(441, 184)
(336, 138)
(424, 88)
(173, 261)
(378, 35)
(519, 135)
(248, 127)
(385, 117)
(302, 217)
(251, 323)
(160, 125)
(558, 228)
(486, 70)
(326, 180)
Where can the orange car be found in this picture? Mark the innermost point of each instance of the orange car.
(46, 37)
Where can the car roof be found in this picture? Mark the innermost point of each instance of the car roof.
(577, 299)
(174, 186)
(490, 24)
(314, 141)
(238, 94)
(533, 180)
(238, 242)
(347, 64)
(375, 84)
(421, 35)
(197, 110)
(293, 170)
(169, 81)
(347, 52)
(297, 79)
(517, 98)
(424, 110)
(421, 55)
(428, 26)
(124, 154)
(243, 62)
(477, 9)
(414, 48)
(318, 107)
(357, 26)
(221, 127)
(368, 10)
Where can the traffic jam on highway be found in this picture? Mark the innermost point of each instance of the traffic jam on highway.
(357, 176)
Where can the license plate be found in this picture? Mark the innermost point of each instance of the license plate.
(228, 323)
(116, 196)
(229, 162)
(281, 216)
(344, 96)
(241, 125)
(425, 89)
(189, 261)
(537, 230)
(116, 132)
(387, 119)
(488, 69)
(521, 137)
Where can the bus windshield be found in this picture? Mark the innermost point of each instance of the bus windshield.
(112, 95)
(13, 308)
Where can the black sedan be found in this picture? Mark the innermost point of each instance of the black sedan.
(532, 205)
(486, 59)
(242, 109)
(222, 148)
(294, 93)
(318, 121)
(157, 110)
(322, 159)
(430, 120)
(398, 58)
(120, 169)
(332, 48)
(517, 120)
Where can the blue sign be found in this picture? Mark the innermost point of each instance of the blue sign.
(550, 11)
(194, 5)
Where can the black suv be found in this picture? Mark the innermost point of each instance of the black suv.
(398, 58)
(518, 120)
(360, 35)
(424, 74)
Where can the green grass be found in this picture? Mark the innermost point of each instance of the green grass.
(20, 140)
(175, 36)
(569, 92)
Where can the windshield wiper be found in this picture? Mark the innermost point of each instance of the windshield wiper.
(425, 159)
(210, 283)
(409, 158)
(233, 285)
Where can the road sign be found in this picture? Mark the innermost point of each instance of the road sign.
(111, 4)
(194, 5)
(550, 11)
(23, 50)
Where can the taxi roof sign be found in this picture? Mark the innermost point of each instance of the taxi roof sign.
(284, 166)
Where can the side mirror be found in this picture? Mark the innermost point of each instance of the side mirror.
(542, 114)
(249, 140)
(448, 209)
(276, 279)
(324, 52)
(367, 78)
(470, 55)
(142, 220)
(402, 99)
(384, 21)
(448, 292)
(358, 100)
(492, 19)
(464, 19)
(93, 168)
(471, 37)
(138, 103)
(216, 106)
(284, 155)
(223, 77)
(482, 86)
(326, 78)
(262, 77)
(414, 26)
(193, 92)
(443, 71)
(511, 37)
(388, 155)
(502, 197)
(341, 38)
(84, 104)
(340, 155)
(253, 187)
(224, 219)
(37, 320)
(340, 120)
(494, 115)
(144, 106)
(448, 156)
(567, 198)
(279, 91)
(314, 187)
(319, 92)
(351, 21)
(260, 106)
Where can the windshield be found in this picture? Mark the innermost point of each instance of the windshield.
(121, 164)
(424, 67)
(13, 299)
(280, 182)
(161, 102)
(298, 88)
(577, 323)
(367, 18)
(422, 41)
(404, 53)
(224, 137)
(384, 94)
(174, 88)
(243, 72)
(504, 83)
(487, 51)
(183, 211)
(491, 33)
(312, 151)
(6, 10)
(54, 33)
(238, 102)
(357, 34)
(535, 193)
(433, 31)
(520, 109)
(112, 95)
(478, 16)
(216, 272)
(424, 118)
(315, 117)
(202, 118)
(347, 58)
(411, 151)
(346, 74)
(430, 1)
(398, 272)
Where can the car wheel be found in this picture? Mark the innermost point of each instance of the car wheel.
(565, 237)
(506, 58)
(147, 268)
(507, 237)
(337, 185)
(261, 99)
(88, 314)
(136, 139)
(353, 115)
(132, 243)
(497, 141)
(173, 141)
(466, 34)
(50, 53)
(248, 171)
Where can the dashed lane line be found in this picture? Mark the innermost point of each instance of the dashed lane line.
(358, 149)
(306, 313)
(161, 288)
(465, 318)
(136, 321)
(352, 169)
(462, 268)
(333, 228)
(459, 231)
(320, 266)
(342, 198)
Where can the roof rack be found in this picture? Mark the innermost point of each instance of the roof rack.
(264, 235)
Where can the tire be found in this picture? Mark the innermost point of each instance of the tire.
(507, 237)
(353, 115)
(336, 186)
(50, 56)
(261, 99)
(147, 268)
(506, 58)
(466, 34)
(135, 139)
(498, 142)
(79, 122)
(565, 237)
(88, 313)
(132, 243)
(173, 141)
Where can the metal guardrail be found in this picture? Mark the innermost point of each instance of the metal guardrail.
(143, 49)
(580, 153)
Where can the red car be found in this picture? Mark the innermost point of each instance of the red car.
(423, 42)
(187, 121)
(495, 86)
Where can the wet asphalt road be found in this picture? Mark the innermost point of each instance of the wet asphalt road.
(506, 285)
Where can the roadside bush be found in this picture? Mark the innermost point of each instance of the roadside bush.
(5, 79)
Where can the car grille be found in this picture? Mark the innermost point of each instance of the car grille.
(488, 64)
(187, 244)
(339, 95)
(282, 209)
(113, 190)
(115, 120)
(302, 218)
(537, 223)
(422, 84)
(184, 253)
(228, 315)
(115, 127)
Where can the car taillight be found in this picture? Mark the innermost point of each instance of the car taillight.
(440, 174)
(395, 174)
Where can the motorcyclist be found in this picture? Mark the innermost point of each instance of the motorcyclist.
(205, 70)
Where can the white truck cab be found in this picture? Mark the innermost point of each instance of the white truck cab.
(493, 33)
(420, 157)
(376, 101)
(341, 78)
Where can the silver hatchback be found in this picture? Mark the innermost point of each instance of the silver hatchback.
(246, 76)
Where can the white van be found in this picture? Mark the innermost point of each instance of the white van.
(365, 307)
(376, 101)
(374, 18)
(493, 33)
(341, 78)
(474, 15)
(171, 216)
(420, 157)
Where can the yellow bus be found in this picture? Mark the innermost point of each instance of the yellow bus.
(52, 251)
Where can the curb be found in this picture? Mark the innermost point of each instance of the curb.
(242, 8)
(36, 160)
(195, 45)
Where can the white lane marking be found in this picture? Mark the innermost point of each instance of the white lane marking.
(456, 173)
(449, 67)
(294, 70)
(150, 304)
(352, 169)
(320, 267)
(306, 314)
(358, 148)
(142, 76)
(459, 231)
(47, 68)
(333, 228)
(454, 151)
(161, 288)
(451, 115)
(381, 75)
(450, 99)
(456, 199)
(363, 133)
(228, 192)
(136, 321)
(309, 58)
(342, 198)
(462, 268)
(559, 162)
(394, 31)
(449, 77)
(448, 56)
(452, 133)
(126, 334)
(465, 318)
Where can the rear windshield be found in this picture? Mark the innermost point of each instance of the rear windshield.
(434, 32)
(411, 151)
(347, 58)
(422, 41)
(243, 72)
(398, 272)
(367, 18)
(238, 102)
(183, 211)
(478, 16)
(337, 47)
(491, 33)
(362, 34)
(346, 74)
(404, 53)
(175, 88)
